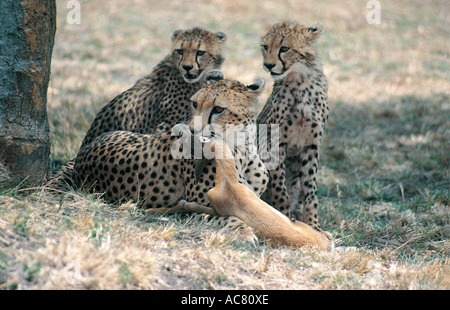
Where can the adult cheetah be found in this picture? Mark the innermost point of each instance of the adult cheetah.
(298, 104)
(147, 167)
(159, 100)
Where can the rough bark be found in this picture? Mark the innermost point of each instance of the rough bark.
(27, 32)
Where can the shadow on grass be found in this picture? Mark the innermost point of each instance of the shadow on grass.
(385, 171)
(384, 174)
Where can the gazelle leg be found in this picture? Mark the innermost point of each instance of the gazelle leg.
(183, 205)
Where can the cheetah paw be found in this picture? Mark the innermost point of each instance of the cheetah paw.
(247, 234)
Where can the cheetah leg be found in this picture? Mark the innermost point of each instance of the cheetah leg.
(279, 193)
(308, 183)
(276, 194)
(183, 205)
(64, 177)
(196, 207)
(295, 196)
(293, 186)
(245, 232)
(302, 188)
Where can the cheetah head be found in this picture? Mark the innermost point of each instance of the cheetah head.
(223, 102)
(289, 47)
(195, 52)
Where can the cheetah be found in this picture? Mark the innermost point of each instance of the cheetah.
(298, 105)
(159, 100)
(147, 167)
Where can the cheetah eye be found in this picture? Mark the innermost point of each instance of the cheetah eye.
(194, 104)
(201, 53)
(265, 47)
(218, 110)
(179, 51)
(284, 49)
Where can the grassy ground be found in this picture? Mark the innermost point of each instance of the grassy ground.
(384, 174)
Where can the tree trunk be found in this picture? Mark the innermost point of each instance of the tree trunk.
(27, 32)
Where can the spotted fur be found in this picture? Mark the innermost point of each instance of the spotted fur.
(126, 165)
(298, 104)
(159, 100)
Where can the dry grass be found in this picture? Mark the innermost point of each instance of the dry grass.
(384, 175)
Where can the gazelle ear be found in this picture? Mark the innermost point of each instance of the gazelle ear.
(256, 88)
(314, 31)
(214, 76)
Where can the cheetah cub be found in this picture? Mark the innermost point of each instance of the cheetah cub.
(298, 105)
(161, 99)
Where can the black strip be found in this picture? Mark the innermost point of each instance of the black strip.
(196, 61)
(210, 114)
(196, 57)
(282, 62)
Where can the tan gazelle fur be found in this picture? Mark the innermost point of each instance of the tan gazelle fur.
(230, 198)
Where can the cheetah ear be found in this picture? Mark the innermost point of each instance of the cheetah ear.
(214, 76)
(314, 31)
(222, 36)
(256, 88)
(176, 33)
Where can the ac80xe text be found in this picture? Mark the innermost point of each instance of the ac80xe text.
(247, 300)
